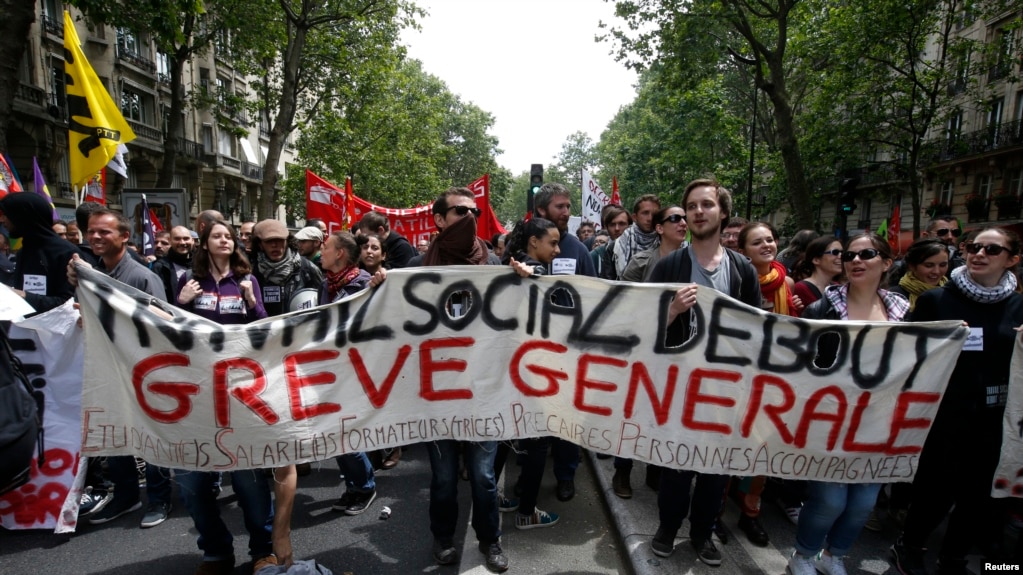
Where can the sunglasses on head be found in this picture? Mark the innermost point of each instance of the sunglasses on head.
(674, 218)
(945, 231)
(462, 210)
(989, 249)
(867, 254)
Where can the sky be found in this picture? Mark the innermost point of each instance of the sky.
(533, 64)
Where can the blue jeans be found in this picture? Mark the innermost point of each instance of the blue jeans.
(124, 476)
(479, 462)
(673, 501)
(200, 499)
(358, 472)
(835, 512)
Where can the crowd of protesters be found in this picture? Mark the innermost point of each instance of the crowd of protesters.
(260, 269)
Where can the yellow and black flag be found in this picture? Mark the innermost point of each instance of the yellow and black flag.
(96, 126)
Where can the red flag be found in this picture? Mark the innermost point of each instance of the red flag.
(487, 225)
(349, 215)
(894, 228)
(615, 198)
(95, 189)
(8, 183)
(325, 201)
(155, 222)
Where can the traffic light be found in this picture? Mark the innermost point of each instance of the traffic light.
(847, 195)
(535, 181)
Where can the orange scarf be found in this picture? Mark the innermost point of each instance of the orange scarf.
(773, 288)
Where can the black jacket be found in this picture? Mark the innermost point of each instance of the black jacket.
(399, 251)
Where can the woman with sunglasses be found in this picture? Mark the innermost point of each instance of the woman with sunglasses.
(962, 449)
(835, 513)
(670, 225)
(820, 266)
(926, 266)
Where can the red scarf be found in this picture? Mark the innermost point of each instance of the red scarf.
(773, 288)
(338, 280)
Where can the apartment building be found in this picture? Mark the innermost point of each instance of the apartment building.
(220, 157)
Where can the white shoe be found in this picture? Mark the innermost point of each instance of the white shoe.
(830, 564)
(802, 565)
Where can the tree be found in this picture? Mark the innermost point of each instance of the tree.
(182, 30)
(14, 28)
(693, 39)
(304, 54)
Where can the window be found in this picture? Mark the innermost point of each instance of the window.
(984, 185)
(207, 138)
(25, 67)
(962, 74)
(954, 127)
(1014, 182)
(1004, 45)
(52, 9)
(1019, 106)
(136, 105)
(223, 89)
(947, 190)
(993, 120)
(223, 43)
(59, 95)
(204, 81)
(226, 143)
(163, 67)
(128, 42)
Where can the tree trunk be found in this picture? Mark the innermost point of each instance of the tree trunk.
(282, 123)
(14, 28)
(174, 122)
(788, 144)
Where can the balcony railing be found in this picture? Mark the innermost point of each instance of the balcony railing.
(252, 171)
(190, 149)
(137, 60)
(66, 192)
(231, 162)
(52, 25)
(998, 136)
(143, 131)
(30, 94)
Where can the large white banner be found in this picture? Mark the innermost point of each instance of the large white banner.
(1008, 479)
(49, 346)
(476, 353)
(594, 200)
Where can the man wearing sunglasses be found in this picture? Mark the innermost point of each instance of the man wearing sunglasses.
(946, 230)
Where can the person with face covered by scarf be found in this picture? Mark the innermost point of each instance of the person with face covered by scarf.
(40, 272)
(281, 271)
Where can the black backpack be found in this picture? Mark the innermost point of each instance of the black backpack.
(21, 426)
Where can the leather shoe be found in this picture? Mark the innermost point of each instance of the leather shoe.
(753, 530)
(565, 490)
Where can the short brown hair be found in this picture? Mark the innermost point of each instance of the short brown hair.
(724, 197)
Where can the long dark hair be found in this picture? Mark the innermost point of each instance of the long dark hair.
(804, 268)
(517, 240)
(238, 262)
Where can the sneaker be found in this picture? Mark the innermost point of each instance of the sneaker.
(156, 513)
(707, 552)
(444, 552)
(874, 522)
(801, 564)
(753, 530)
(343, 502)
(497, 561)
(93, 501)
(829, 564)
(539, 518)
(506, 505)
(112, 511)
(360, 502)
(218, 567)
(620, 483)
(663, 543)
(908, 561)
(565, 490)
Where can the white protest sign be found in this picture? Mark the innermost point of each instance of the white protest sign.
(49, 346)
(1008, 479)
(594, 200)
(392, 366)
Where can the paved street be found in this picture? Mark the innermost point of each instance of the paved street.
(588, 539)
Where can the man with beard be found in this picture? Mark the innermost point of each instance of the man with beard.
(280, 270)
(454, 214)
(707, 264)
(640, 235)
(553, 202)
(40, 269)
(177, 262)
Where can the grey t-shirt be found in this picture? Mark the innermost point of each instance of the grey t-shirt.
(719, 279)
